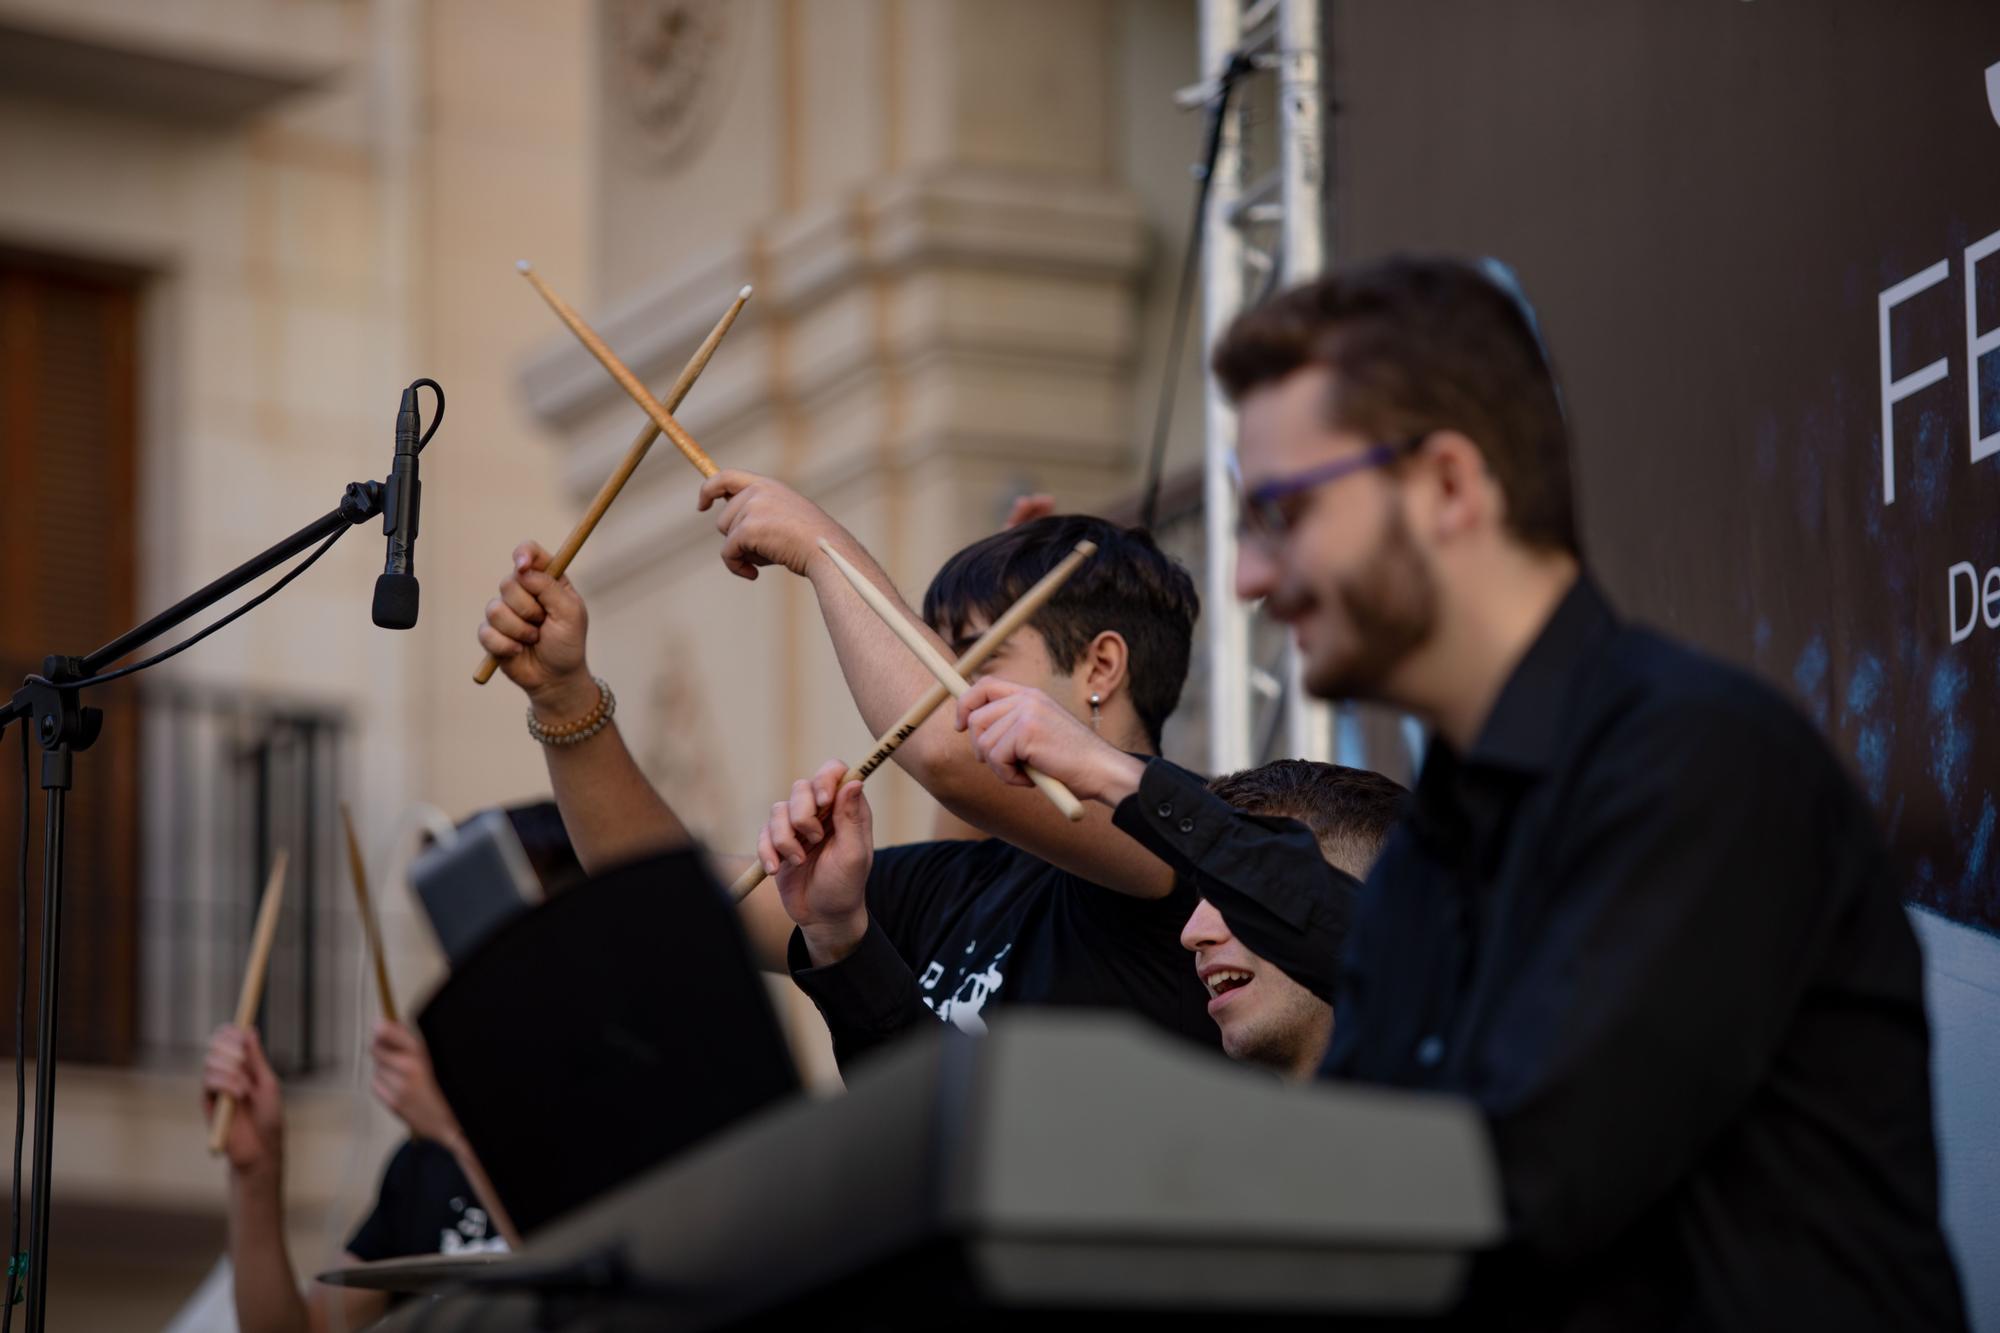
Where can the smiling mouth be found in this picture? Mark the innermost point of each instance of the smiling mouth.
(1224, 980)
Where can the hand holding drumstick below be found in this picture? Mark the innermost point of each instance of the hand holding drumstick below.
(236, 1068)
(252, 995)
(537, 627)
(820, 843)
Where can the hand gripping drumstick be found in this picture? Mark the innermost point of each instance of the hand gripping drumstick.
(253, 986)
(369, 925)
(913, 717)
(1060, 796)
(626, 379)
(616, 481)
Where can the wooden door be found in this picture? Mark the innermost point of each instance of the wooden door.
(68, 410)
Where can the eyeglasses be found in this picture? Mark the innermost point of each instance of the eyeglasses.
(1266, 513)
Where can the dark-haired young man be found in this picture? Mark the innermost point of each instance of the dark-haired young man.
(1637, 913)
(1266, 1015)
(1042, 912)
(1263, 1014)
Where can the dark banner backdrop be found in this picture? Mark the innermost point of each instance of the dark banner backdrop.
(1714, 206)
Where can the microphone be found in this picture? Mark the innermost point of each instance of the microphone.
(396, 590)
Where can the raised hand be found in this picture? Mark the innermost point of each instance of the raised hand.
(536, 627)
(1015, 725)
(820, 843)
(405, 1083)
(236, 1065)
(765, 522)
(1028, 508)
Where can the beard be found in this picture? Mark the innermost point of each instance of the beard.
(1390, 605)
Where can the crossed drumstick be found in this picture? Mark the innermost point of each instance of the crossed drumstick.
(950, 675)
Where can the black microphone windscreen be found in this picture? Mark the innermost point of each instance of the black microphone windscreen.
(396, 601)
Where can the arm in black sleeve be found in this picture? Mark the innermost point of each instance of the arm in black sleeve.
(869, 998)
(1265, 875)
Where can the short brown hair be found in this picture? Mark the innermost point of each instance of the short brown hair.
(1420, 345)
(1130, 586)
(1349, 810)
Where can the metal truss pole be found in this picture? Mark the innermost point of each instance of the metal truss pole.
(1226, 620)
(1253, 233)
(1302, 179)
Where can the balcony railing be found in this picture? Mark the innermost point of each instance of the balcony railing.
(177, 814)
(228, 780)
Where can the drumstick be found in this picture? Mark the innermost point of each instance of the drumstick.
(369, 925)
(1060, 796)
(913, 717)
(616, 481)
(626, 379)
(253, 985)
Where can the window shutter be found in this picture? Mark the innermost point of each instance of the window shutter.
(68, 426)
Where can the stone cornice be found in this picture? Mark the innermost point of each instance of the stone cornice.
(975, 222)
(969, 316)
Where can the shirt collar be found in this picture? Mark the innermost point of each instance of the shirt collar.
(1521, 730)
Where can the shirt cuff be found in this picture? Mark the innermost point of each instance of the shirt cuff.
(870, 990)
(1175, 816)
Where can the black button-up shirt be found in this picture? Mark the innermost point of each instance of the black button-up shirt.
(1646, 923)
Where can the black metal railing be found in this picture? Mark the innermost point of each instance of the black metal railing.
(228, 779)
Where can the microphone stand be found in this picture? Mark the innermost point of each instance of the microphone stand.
(51, 706)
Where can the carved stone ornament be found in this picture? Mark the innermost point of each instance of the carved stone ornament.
(666, 65)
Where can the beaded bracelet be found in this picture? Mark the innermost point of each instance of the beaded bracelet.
(571, 733)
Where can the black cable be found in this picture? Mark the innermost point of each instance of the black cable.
(20, 1037)
(437, 389)
(1163, 413)
(188, 643)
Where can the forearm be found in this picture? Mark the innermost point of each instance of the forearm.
(612, 813)
(885, 678)
(1093, 848)
(882, 674)
(267, 1290)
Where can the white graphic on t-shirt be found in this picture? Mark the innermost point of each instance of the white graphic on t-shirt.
(962, 1007)
(471, 1234)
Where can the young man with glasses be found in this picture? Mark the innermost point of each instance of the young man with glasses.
(1637, 913)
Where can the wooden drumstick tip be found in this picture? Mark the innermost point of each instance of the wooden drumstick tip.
(744, 295)
(522, 265)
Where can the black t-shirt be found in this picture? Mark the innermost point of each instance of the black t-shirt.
(424, 1206)
(985, 923)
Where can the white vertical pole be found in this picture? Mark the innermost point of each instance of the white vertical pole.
(1225, 620)
(1302, 177)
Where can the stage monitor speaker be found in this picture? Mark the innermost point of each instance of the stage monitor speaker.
(604, 1031)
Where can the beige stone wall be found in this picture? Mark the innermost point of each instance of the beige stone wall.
(305, 259)
(963, 220)
(274, 339)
